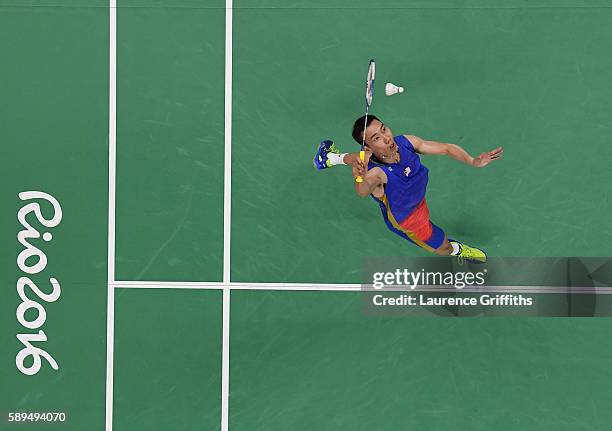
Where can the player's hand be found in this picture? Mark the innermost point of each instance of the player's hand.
(487, 157)
(360, 167)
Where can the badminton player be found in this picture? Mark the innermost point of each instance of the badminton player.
(397, 180)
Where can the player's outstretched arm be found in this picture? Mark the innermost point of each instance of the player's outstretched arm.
(455, 151)
(487, 157)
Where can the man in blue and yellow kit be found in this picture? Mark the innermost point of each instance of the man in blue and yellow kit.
(394, 176)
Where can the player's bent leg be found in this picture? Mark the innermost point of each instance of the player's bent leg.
(418, 229)
(423, 232)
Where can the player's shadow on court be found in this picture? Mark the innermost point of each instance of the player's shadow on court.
(464, 226)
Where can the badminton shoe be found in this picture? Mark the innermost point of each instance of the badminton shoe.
(321, 160)
(469, 254)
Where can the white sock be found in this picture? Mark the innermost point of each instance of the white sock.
(456, 248)
(336, 159)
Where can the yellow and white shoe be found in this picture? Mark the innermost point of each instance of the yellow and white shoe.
(469, 254)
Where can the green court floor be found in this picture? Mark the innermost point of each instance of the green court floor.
(532, 80)
(170, 142)
(529, 76)
(306, 360)
(168, 362)
(54, 111)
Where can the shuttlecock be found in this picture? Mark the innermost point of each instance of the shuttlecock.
(391, 89)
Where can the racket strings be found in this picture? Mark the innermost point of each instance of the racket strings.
(369, 96)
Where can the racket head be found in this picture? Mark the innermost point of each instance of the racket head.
(370, 83)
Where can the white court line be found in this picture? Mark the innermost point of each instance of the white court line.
(225, 361)
(353, 287)
(112, 156)
(227, 168)
(297, 286)
(167, 284)
(233, 286)
(227, 218)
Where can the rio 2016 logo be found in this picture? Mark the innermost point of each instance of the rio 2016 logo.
(32, 261)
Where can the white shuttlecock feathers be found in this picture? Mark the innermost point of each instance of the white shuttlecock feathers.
(391, 89)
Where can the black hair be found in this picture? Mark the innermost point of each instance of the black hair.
(360, 126)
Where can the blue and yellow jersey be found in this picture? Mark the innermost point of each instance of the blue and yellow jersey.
(403, 204)
(406, 180)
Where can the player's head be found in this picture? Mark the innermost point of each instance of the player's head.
(378, 137)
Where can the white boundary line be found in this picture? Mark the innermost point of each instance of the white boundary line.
(112, 156)
(227, 218)
(233, 286)
(227, 169)
(166, 284)
(352, 287)
(225, 364)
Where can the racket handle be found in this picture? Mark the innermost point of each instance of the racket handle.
(362, 158)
